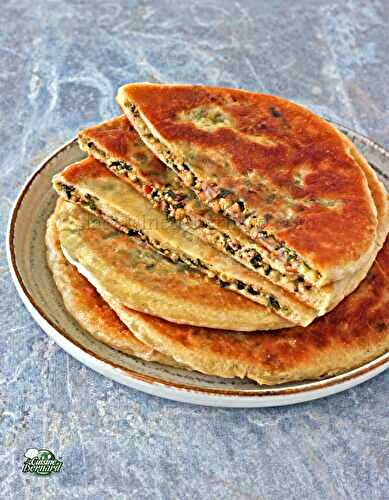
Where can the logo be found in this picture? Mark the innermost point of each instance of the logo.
(41, 462)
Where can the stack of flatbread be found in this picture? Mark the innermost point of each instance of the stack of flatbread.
(233, 233)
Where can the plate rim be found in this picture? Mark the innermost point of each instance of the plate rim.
(306, 389)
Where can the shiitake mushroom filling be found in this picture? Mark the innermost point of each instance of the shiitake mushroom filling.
(173, 205)
(91, 203)
(294, 262)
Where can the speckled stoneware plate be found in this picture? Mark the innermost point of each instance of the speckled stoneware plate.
(27, 260)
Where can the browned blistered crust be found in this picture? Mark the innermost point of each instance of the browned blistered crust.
(292, 181)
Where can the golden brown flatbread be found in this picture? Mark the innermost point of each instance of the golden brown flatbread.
(355, 332)
(94, 187)
(288, 178)
(89, 309)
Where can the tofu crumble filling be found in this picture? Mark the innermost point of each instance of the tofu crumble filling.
(91, 203)
(286, 255)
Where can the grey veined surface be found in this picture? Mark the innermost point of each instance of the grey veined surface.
(62, 64)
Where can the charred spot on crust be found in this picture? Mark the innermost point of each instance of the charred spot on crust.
(267, 218)
(380, 326)
(252, 290)
(275, 112)
(90, 144)
(270, 198)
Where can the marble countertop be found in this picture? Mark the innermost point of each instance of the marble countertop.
(61, 65)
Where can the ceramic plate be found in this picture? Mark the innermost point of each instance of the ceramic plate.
(27, 261)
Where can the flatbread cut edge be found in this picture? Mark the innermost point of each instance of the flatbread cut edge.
(119, 215)
(125, 97)
(354, 333)
(107, 142)
(86, 306)
(127, 210)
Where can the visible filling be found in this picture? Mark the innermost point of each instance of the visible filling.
(90, 203)
(233, 208)
(174, 204)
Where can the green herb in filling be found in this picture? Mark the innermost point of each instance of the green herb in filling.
(218, 118)
(274, 302)
(256, 261)
(198, 114)
(298, 180)
(229, 249)
(90, 201)
(68, 190)
(291, 254)
(223, 193)
(196, 184)
(241, 205)
(223, 284)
